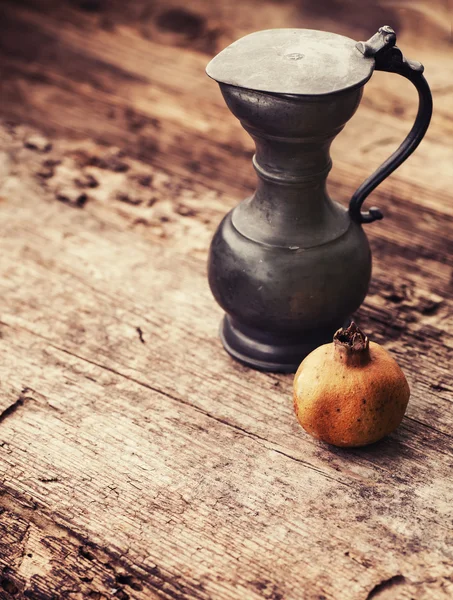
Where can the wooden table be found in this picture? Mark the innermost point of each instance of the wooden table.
(137, 459)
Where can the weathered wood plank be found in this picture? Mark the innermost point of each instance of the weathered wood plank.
(137, 459)
(196, 481)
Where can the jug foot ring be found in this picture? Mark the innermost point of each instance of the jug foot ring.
(267, 352)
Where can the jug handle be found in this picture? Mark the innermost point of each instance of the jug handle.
(382, 47)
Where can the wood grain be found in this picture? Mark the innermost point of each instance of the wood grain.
(137, 459)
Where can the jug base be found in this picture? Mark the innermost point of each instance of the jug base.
(268, 352)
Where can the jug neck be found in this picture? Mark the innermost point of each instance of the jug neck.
(292, 161)
(291, 207)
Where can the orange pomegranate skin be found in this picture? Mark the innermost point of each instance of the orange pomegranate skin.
(350, 397)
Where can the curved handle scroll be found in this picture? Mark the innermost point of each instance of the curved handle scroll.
(389, 58)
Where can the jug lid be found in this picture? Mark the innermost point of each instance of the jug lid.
(292, 61)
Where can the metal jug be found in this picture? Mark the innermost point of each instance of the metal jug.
(289, 265)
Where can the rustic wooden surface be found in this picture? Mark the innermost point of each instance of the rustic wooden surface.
(137, 459)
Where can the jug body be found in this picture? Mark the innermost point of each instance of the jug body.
(288, 265)
(281, 303)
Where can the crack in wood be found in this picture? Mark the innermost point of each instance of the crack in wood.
(444, 433)
(24, 541)
(140, 335)
(12, 408)
(27, 395)
(384, 585)
(311, 467)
